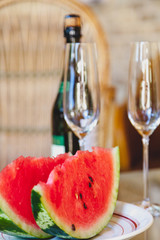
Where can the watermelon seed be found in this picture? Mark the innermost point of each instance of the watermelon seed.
(73, 227)
(84, 205)
(90, 178)
(90, 185)
(80, 195)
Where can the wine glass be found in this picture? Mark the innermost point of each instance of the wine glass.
(144, 102)
(81, 97)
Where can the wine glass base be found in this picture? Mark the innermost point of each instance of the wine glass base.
(153, 208)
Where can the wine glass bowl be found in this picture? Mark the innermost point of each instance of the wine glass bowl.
(81, 100)
(144, 97)
(144, 101)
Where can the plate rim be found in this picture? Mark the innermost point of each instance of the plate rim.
(135, 232)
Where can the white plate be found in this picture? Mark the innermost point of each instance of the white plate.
(127, 221)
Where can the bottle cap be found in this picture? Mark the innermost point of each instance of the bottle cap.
(72, 20)
(72, 26)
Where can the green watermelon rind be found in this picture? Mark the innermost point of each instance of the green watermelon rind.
(43, 219)
(15, 226)
(8, 227)
(52, 227)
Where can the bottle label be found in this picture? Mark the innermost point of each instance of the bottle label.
(57, 146)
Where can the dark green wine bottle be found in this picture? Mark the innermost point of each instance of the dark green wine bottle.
(63, 139)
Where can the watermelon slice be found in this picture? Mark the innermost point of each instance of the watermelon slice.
(16, 182)
(79, 197)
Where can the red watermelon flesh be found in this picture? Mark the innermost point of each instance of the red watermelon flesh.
(16, 182)
(80, 195)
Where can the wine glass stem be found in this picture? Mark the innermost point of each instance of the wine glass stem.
(145, 142)
(82, 144)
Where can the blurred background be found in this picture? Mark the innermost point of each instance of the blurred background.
(123, 22)
(31, 53)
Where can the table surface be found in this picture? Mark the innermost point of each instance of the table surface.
(131, 190)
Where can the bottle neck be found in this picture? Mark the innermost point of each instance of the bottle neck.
(73, 39)
(72, 34)
(70, 39)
